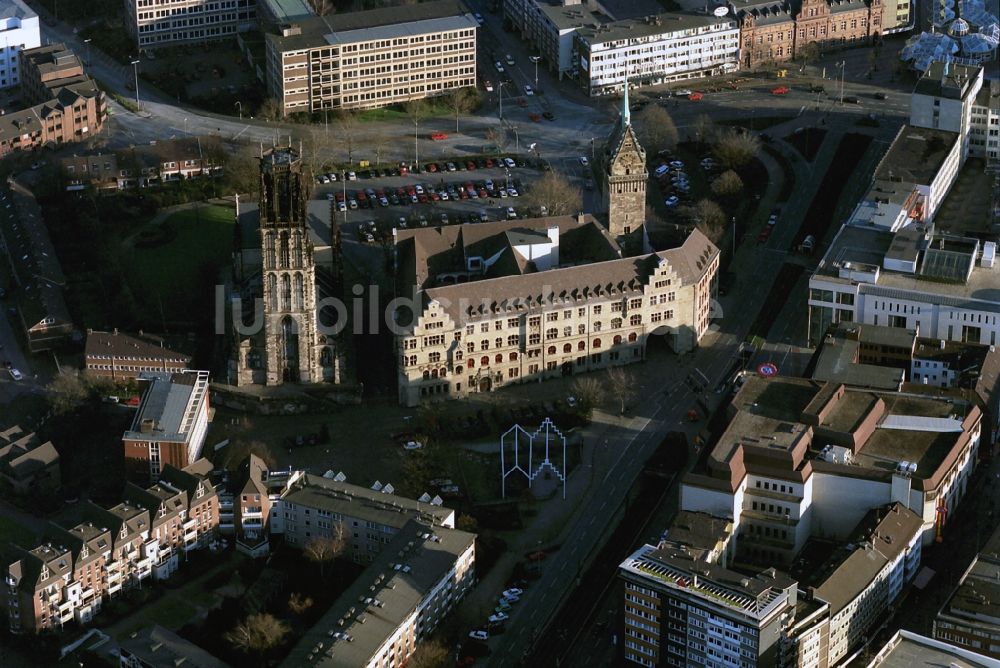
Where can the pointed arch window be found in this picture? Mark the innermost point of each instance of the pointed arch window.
(283, 250)
(286, 293)
(272, 289)
(299, 296)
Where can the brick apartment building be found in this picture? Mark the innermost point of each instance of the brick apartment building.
(68, 105)
(74, 571)
(170, 425)
(775, 32)
(27, 465)
(121, 357)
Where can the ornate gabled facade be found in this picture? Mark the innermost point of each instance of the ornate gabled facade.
(775, 31)
(625, 177)
(290, 349)
(489, 333)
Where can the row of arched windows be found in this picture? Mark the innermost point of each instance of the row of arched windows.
(291, 295)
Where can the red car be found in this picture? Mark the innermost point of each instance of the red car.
(535, 118)
(438, 136)
(432, 167)
(781, 90)
(696, 96)
(489, 163)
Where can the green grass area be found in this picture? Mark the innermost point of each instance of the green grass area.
(177, 279)
(16, 534)
(434, 107)
(171, 612)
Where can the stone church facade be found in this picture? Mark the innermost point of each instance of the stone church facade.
(290, 348)
(625, 178)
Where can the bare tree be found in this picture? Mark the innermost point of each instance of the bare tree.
(621, 383)
(431, 653)
(379, 141)
(727, 184)
(258, 634)
(322, 7)
(270, 109)
(67, 392)
(703, 126)
(588, 392)
(807, 53)
(462, 101)
(734, 148)
(467, 523)
(710, 219)
(298, 603)
(242, 171)
(347, 124)
(497, 136)
(323, 549)
(556, 194)
(656, 128)
(416, 110)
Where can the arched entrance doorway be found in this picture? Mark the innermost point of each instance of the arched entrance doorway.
(485, 385)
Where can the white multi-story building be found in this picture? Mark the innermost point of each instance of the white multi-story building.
(654, 50)
(944, 97)
(370, 59)
(984, 135)
(18, 31)
(159, 23)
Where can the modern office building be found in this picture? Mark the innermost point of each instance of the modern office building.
(906, 650)
(970, 618)
(169, 426)
(944, 97)
(74, 571)
(800, 458)
(681, 611)
(370, 59)
(19, 30)
(654, 50)
(159, 23)
(519, 301)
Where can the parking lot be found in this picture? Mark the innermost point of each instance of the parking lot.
(372, 202)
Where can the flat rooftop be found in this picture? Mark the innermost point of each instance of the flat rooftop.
(643, 27)
(916, 155)
(165, 402)
(370, 611)
(909, 650)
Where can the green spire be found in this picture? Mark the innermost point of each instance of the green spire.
(626, 115)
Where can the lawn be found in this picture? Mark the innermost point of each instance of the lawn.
(12, 532)
(175, 280)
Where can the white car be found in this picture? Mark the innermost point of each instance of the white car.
(499, 617)
(672, 201)
(15, 374)
(510, 163)
(528, 90)
(772, 219)
(511, 214)
(498, 66)
(341, 206)
(419, 189)
(676, 164)
(351, 176)
(412, 445)
(479, 635)
(584, 161)
(401, 223)
(513, 591)
(512, 192)
(682, 93)
(444, 219)
(423, 221)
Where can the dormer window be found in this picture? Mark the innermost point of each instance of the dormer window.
(163, 510)
(200, 491)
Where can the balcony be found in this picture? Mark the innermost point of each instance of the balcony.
(190, 524)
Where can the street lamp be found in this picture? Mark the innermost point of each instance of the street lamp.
(517, 140)
(500, 97)
(841, 65)
(239, 105)
(87, 42)
(592, 155)
(535, 60)
(185, 125)
(135, 68)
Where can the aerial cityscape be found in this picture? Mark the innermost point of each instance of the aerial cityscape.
(500, 333)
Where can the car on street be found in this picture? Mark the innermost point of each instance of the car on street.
(852, 99)
(772, 220)
(479, 634)
(511, 214)
(412, 445)
(509, 60)
(15, 374)
(438, 136)
(351, 176)
(672, 201)
(584, 161)
(528, 90)
(780, 90)
(682, 93)
(881, 96)
(513, 591)
(676, 164)
(488, 85)
(498, 66)
(504, 605)
(498, 617)
(696, 96)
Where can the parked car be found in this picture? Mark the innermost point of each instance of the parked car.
(15, 374)
(488, 85)
(852, 99)
(413, 445)
(511, 214)
(780, 90)
(498, 66)
(584, 161)
(438, 136)
(672, 201)
(528, 90)
(479, 634)
(498, 617)
(513, 591)
(548, 115)
(510, 163)
(881, 96)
